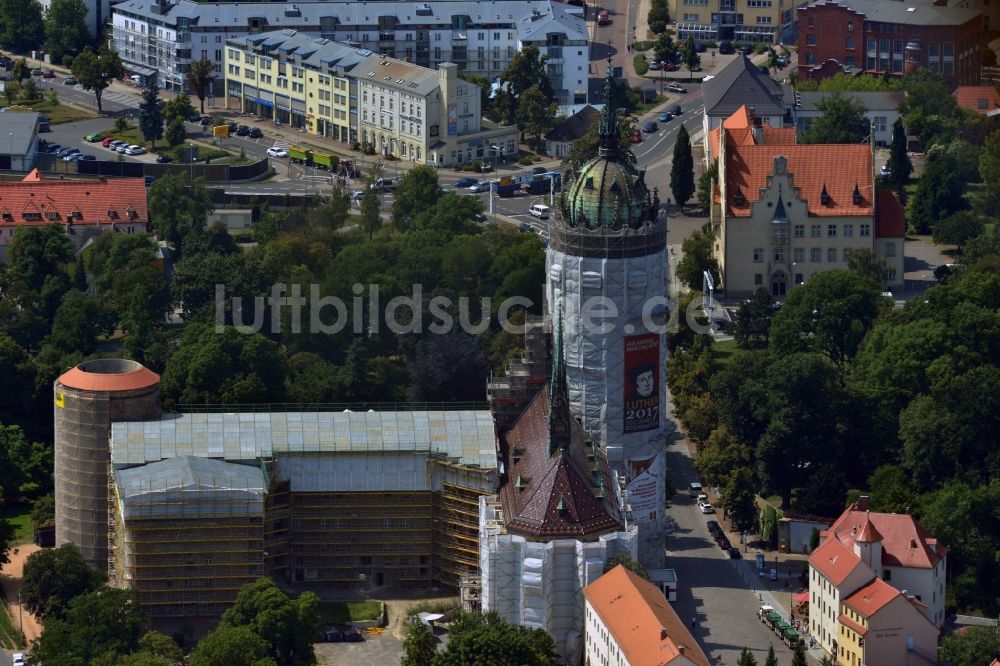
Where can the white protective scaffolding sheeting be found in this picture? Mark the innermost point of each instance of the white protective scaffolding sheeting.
(348, 472)
(464, 436)
(595, 358)
(190, 487)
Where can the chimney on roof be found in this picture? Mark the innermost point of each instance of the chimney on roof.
(681, 648)
(857, 195)
(861, 504)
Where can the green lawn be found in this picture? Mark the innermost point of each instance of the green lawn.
(724, 351)
(337, 612)
(19, 515)
(57, 113)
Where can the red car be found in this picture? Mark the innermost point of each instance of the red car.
(636, 137)
(48, 74)
(107, 141)
(602, 17)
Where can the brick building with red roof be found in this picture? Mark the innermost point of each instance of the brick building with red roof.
(867, 561)
(984, 100)
(784, 211)
(85, 208)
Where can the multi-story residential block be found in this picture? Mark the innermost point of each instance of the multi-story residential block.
(350, 94)
(739, 20)
(160, 38)
(861, 552)
(295, 79)
(630, 623)
(785, 212)
(895, 37)
(881, 110)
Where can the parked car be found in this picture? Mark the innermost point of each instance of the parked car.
(122, 147)
(603, 18)
(205, 121)
(163, 159)
(781, 60)
(670, 67)
(539, 170)
(194, 117)
(255, 133)
(694, 68)
(726, 47)
(676, 110)
(52, 148)
(479, 217)
(242, 130)
(884, 171)
(108, 140)
(650, 126)
(135, 150)
(48, 74)
(69, 81)
(63, 152)
(73, 157)
(43, 127)
(465, 182)
(17, 659)
(705, 507)
(746, 49)
(656, 65)
(332, 636)
(232, 127)
(699, 47)
(677, 88)
(277, 152)
(149, 180)
(713, 526)
(86, 158)
(116, 144)
(36, 71)
(352, 635)
(481, 186)
(636, 137)
(94, 137)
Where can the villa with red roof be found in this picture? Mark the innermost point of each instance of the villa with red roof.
(783, 212)
(868, 563)
(84, 208)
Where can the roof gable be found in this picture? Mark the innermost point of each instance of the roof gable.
(644, 625)
(739, 84)
(981, 99)
(835, 561)
(904, 542)
(872, 597)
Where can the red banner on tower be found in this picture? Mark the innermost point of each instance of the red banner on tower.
(642, 383)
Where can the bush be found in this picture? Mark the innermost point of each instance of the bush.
(640, 64)
(525, 161)
(644, 46)
(759, 47)
(67, 61)
(709, 43)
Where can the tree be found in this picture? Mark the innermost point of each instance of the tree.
(37, 253)
(77, 323)
(698, 257)
(21, 26)
(958, 229)
(53, 577)
(7, 535)
(178, 208)
(151, 115)
(488, 639)
(831, 313)
(29, 91)
(867, 264)
(940, 192)
(626, 562)
(43, 510)
(178, 107)
(772, 659)
(432, 374)
(200, 78)
(96, 71)
(989, 169)
(535, 113)
(799, 654)
(420, 645)
(752, 320)
(658, 17)
(690, 55)
(232, 646)
(890, 491)
(155, 649)
(739, 499)
(66, 30)
(176, 134)
(97, 623)
(417, 191)
(706, 186)
(682, 170)
(843, 121)
(746, 658)
(665, 49)
(973, 646)
(288, 626)
(371, 217)
(525, 70)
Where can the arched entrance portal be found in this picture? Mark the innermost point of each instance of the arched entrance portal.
(778, 281)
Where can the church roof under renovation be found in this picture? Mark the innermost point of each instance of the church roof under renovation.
(554, 492)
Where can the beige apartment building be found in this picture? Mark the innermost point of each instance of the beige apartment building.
(881, 625)
(737, 20)
(785, 212)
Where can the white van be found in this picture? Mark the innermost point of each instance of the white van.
(694, 489)
(540, 211)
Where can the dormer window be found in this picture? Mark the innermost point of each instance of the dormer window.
(857, 195)
(112, 213)
(31, 216)
(52, 215)
(738, 197)
(824, 197)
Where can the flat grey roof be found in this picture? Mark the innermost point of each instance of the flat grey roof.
(465, 436)
(23, 125)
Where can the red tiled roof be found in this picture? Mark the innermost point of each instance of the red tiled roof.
(852, 625)
(904, 542)
(834, 560)
(871, 598)
(837, 167)
(81, 380)
(890, 218)
(554, 494)
(44, 201)
(981, 99)
(644, 625)
(868, 533)
(779, 136)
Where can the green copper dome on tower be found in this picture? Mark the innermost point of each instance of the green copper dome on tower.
(609, 193)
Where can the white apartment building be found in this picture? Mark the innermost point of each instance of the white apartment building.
(161, 38)
(881, 110)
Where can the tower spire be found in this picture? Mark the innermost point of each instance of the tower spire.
(559, 416)
(608, 131)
